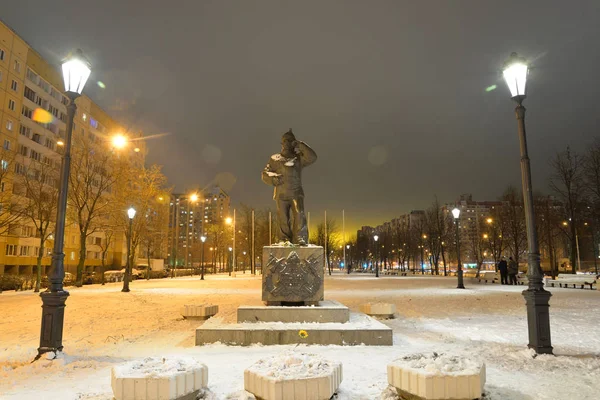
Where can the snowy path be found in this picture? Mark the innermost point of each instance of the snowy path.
(104, 326)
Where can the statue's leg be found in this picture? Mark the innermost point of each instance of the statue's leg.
(283, 215)
(300, 227)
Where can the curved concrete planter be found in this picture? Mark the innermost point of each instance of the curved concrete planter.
(159, 379)
(437, 377)
(293, 377)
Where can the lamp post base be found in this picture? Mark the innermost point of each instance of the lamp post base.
(538, 320)
(53, 314)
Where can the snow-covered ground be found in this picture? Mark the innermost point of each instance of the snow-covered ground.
(105, 327)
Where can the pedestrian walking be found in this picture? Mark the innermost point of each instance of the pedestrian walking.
(503, 268)
(513, 270)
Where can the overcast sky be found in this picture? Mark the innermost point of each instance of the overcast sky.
(390, 94)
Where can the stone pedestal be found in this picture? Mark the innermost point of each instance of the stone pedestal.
(292, 275)
(326, 311)
(201, 311)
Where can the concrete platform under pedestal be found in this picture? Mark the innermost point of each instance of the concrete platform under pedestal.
(360, 329)
(325, 311)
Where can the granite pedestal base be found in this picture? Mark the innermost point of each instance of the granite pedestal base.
(292, 275)
(325, 311)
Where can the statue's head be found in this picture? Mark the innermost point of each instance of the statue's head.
(288, 141)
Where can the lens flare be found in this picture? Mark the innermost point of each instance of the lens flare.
(42, 116)
(101, 84)
(490, 88)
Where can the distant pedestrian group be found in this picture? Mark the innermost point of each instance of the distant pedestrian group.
(508, 271)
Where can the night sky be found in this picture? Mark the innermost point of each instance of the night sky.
(391, 94)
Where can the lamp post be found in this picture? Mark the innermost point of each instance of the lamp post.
(76, 71)
(203, 239)
(127, 278)
(230, 258)
(349, 254)
(459, 271)
(376, 238)
(536, 298)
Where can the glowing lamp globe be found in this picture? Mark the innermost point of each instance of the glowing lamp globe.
(376, 237)
(515, 74)
(76, 70)
(456, 213)
(203, 239)
(131, 213)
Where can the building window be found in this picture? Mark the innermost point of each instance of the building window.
(11, 249)
(72, 256)
(11, 104)
(6, 144)
(24, 251)
(84, 116)
(4, 167)
(30, 94)
(14, 85)
(25, 131)
(26, 112)
(9, 125)
(2, 183)
(17, 66)
(1, 55)
(93, 123)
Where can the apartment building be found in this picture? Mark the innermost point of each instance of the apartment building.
(33, 119)
(189, 218)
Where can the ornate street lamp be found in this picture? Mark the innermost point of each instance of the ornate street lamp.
(459, 271)
(131, 215)
(76, 71)
(203, 239)
(537, 299)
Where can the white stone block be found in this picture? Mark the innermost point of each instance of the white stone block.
(385, 310)
(287, 377)
(200, 311)
(437, 376)
(158, 379)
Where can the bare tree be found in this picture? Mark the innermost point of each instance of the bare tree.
(10, 211)
(39, 184)
(109, 234)
(568, 183)
(93, 173)
(496, 229)
(513, 216)
(332, 238)
(592, 179)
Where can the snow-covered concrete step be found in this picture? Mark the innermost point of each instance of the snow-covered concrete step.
(293, 376)
(157, 378)
(437, 377)
(326, 311)
(360, 329)
(199, 311)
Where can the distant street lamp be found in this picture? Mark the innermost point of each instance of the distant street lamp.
(349, 262)
(203, 239)
(459, 271)
(127, 278)
(376, 238)
(537, 299)
(76, 71)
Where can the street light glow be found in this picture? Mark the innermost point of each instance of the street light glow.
(489, 220)
(228, 220)
(456, 213)
(131, 212)
(119, 141)
(76, 71)
(203, 239)
(515, 75)
(194, 197)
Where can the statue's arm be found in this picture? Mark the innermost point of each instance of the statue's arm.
(307, 155)
(270, 177)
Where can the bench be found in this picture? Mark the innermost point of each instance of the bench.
(573, 279)
(488, 276)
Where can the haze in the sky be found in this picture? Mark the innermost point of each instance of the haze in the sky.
(402, 100)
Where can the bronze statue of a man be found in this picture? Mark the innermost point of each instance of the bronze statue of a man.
(284, 171)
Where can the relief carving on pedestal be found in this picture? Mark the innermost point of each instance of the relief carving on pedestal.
(292, 277)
